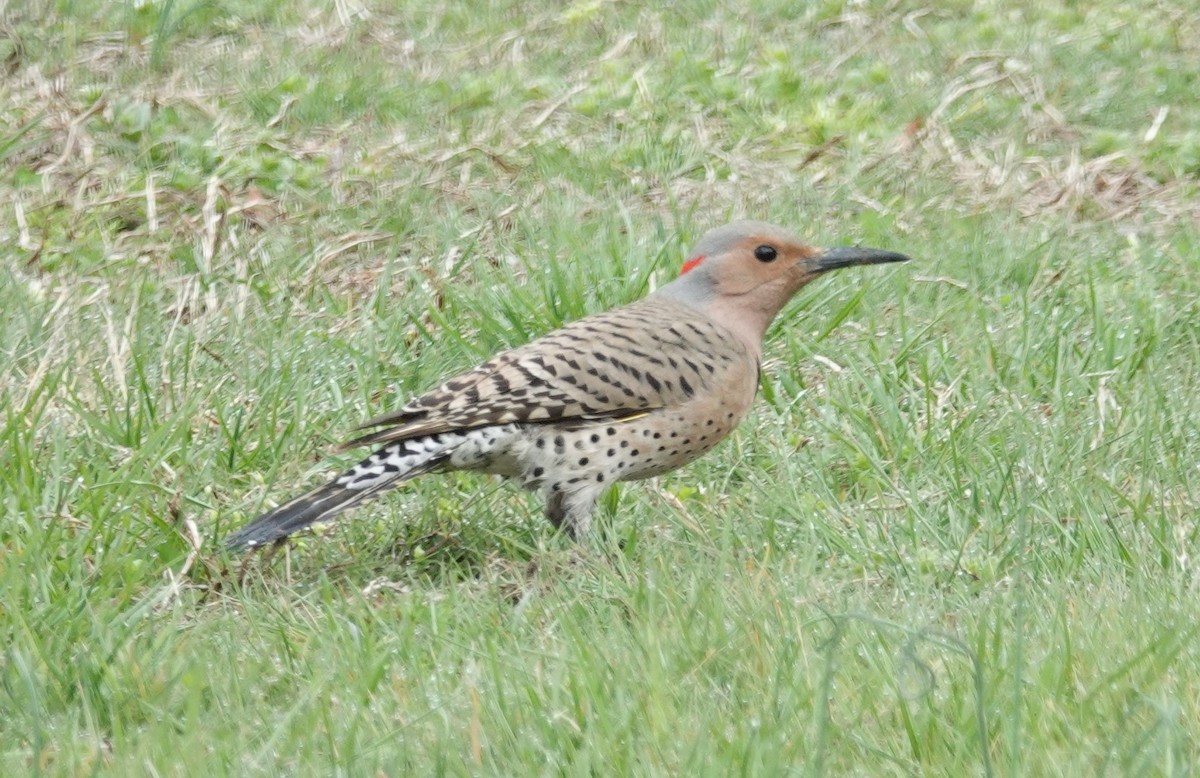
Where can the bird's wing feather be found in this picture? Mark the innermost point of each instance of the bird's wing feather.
(594, 368)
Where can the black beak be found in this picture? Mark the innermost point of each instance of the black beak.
(848, 256)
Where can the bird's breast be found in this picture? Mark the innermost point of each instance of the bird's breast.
(672, 437)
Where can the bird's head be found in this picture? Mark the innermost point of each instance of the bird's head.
(743, 274)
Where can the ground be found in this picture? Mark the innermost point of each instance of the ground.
(957, 535)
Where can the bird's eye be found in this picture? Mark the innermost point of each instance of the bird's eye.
(765, 253)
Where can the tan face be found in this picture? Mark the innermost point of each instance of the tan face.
(741, 275)
(764, 261)
(754, 259)
(757, 258)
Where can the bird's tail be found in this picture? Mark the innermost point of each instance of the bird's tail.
(320, 504)
(388, 467)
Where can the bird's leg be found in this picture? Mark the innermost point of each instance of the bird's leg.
(571, 511)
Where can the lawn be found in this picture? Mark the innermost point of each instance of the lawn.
(956, 536)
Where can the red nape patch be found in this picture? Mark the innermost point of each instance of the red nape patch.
(691, 264)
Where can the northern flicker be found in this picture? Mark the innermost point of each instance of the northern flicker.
(617, 396)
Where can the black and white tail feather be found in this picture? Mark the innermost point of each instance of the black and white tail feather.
(385, 469)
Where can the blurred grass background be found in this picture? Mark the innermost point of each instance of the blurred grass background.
(957, 535)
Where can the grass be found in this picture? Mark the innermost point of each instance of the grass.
(956, 536)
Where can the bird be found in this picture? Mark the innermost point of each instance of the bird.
(622, 395)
